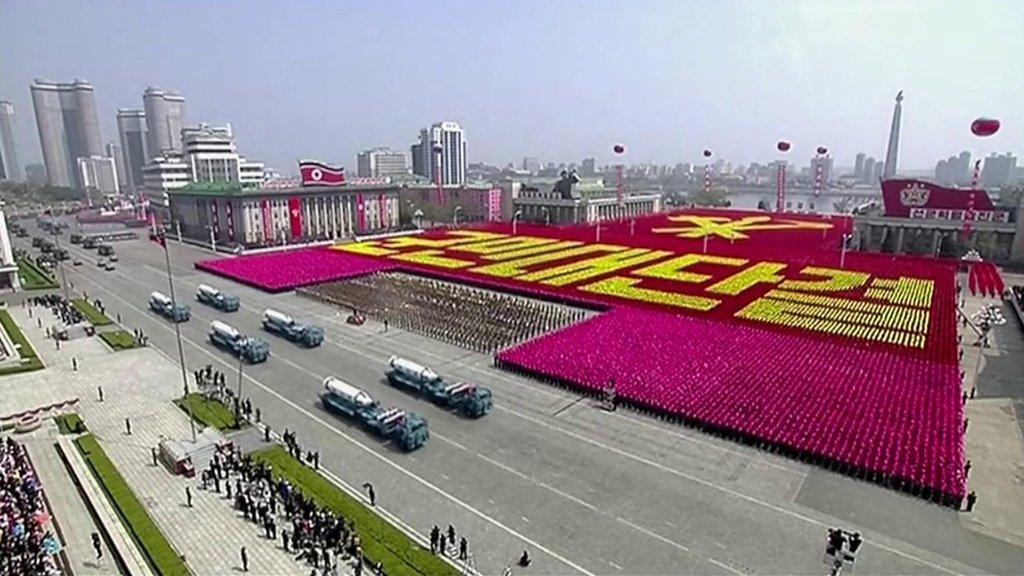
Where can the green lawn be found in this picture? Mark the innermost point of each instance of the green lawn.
(208, 412)
(33, 277)
(158, 551)
(382, 542)
(119, 340)
(94, 316)
(27, 352)
(70, 423)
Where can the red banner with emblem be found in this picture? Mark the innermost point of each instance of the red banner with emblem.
(383, 211)
(295, 216)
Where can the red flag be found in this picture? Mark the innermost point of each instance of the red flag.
(383, 211)
(268, 230)
(295, 216)
(361, 208)
(319, 174)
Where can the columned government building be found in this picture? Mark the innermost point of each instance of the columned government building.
(231, 214)
(550, 207)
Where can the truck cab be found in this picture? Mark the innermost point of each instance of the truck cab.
(213, 297)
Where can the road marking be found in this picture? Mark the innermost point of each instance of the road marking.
(366, 448)
(723, 489)
(525, 519)
(654, 535)
(725, 566)
(616, 566)
(537, 482)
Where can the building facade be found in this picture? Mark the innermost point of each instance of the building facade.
(68, 128)
(442, 147)
(165, 118)
(231, 214)
(551, 208)
(998, 170)
(208, 155)
(131, 129)
(380, 162)
(9, 278)
(827, 166)
(98, 173)
(470, 203)
(10, 169)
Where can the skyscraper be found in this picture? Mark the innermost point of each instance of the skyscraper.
(380, 162)
(531, 165)
(827, 165)
(68, 128)
(452, 157)
(893, 151)
(999, 170)
(9, 167)
(416, 153)
(165, 115)
(879, 172)
(114, 153)
(131, 129)
(858, 166)
(869, 169)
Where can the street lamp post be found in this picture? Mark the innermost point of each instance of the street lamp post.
(455, 216)
(842, 255)
(515, 220)
(213, 239)
(547, 215)
(177, 333)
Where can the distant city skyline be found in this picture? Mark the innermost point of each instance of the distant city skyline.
(785, 71)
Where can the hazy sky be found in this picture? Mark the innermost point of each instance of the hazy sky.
(556, 79)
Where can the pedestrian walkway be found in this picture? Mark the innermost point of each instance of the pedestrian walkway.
(140, 385)
(75, 523)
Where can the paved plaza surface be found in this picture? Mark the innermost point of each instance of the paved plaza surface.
(584, 490)
(140, 385)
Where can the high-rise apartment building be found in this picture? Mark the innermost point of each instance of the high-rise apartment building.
(955, 170)
(531, 164)
(165, 116)
(589, 167)
(98, 173)
(114, 153)
(380, 162)
(416, 153)
(68, 128)
(878, 173)
(998, 170)
(9, 167)
(131, 129)
(443, 147)
(868, 170)
(858, 166)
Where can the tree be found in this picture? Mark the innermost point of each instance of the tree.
(717, 196)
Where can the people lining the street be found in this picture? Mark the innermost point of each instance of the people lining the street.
(26, 546)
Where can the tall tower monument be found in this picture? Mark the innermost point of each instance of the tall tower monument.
(893, 152)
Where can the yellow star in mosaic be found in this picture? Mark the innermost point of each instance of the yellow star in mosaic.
(724, 227)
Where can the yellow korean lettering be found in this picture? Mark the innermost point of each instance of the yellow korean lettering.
(835, 280)
(364, 249)
(518, 266)
(907, 291)
(673, 269)
(626, 288)
(760, 273)
(592, 267)
(432, 258)
(453, 238)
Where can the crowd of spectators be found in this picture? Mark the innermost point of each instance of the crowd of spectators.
(61, 308)
(26, 546)
(465, 316)
(316, 536)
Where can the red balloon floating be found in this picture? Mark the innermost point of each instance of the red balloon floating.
(822, 150)
(985, 126)
(619, 148)
(707, 153)
(783, 146)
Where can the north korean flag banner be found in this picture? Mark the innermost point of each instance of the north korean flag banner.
(216, 220)
(295, 216)
(361, 208)
(268, 223)
(231, 221)
(319, 174)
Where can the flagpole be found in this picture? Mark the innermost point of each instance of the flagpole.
(177, 334)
